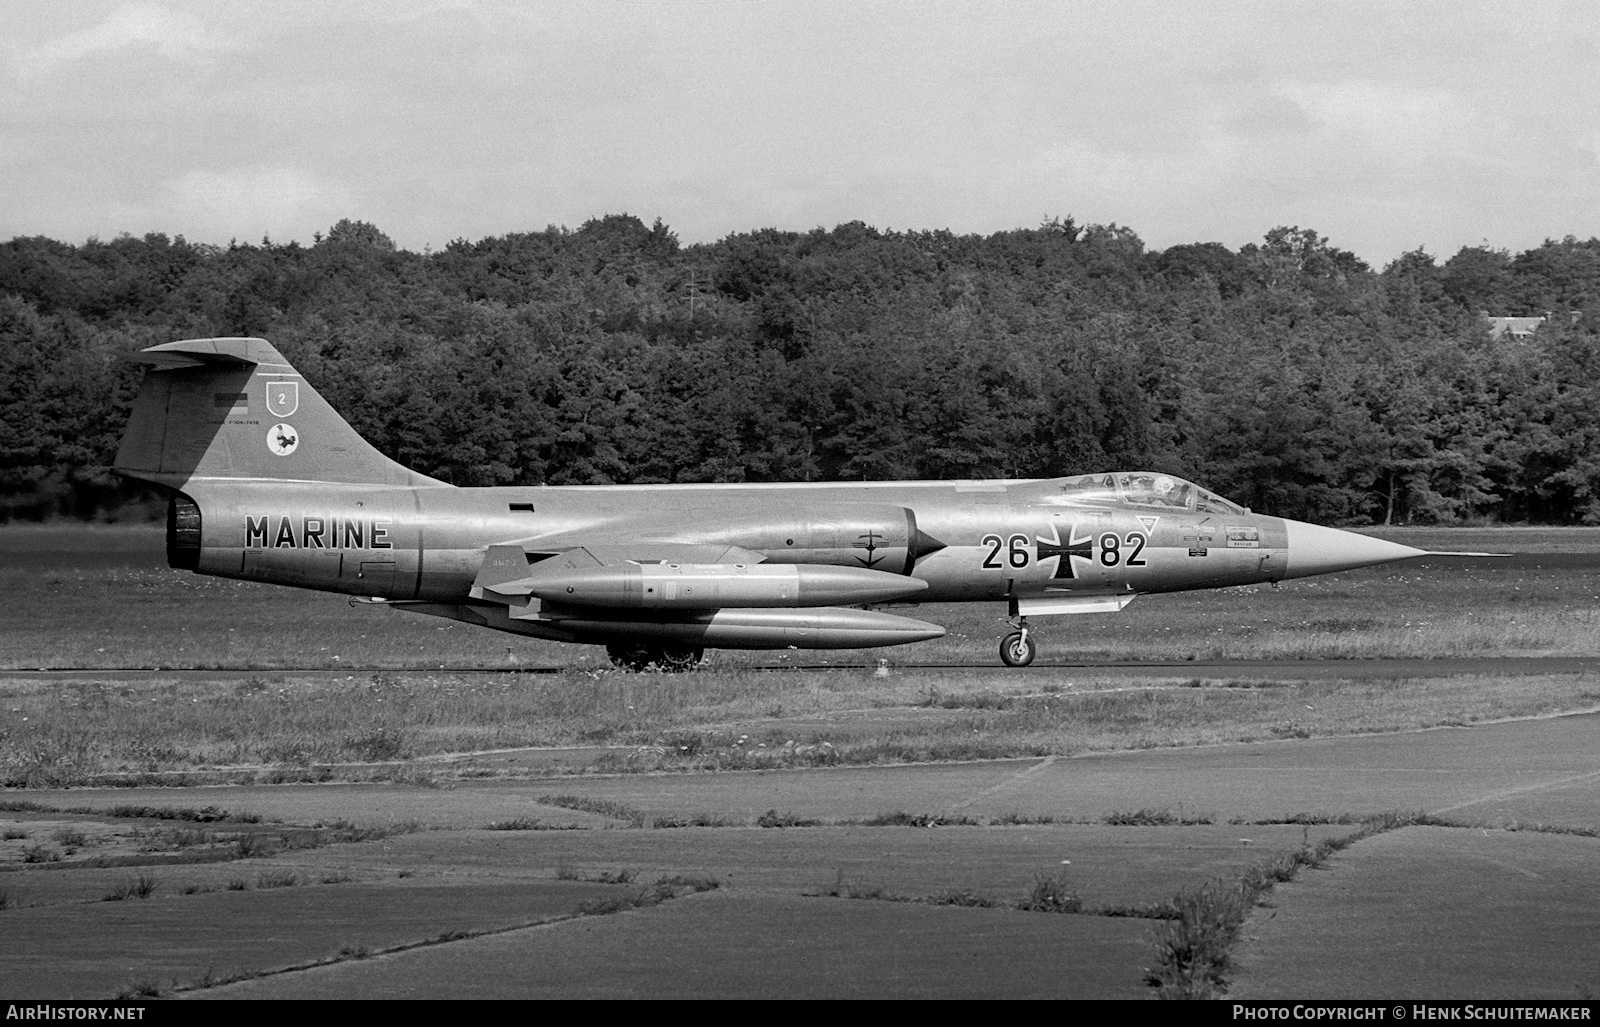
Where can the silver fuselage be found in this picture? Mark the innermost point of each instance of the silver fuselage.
(268, 483)
(1000, 540)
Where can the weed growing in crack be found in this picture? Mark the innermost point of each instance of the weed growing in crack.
(659, 891)
(1050, 894)
(606, 808)
(140, 989)
(1155, 818)
(964, 897)
(900, 818)
(1191, 949)
(141, 888)
(772, 818)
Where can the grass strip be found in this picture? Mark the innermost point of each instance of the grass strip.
(74, 733)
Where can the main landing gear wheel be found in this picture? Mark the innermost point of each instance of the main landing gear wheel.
(669, 658)
(630, 657)
(677, 658)
(1017, 649)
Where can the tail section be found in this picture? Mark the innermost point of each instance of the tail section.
(235, 408)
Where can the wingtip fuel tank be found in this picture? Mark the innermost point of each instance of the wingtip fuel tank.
(814, 628)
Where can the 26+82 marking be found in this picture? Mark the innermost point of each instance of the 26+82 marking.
(1018, 555)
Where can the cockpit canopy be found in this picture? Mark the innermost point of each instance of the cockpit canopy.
(1145, 488)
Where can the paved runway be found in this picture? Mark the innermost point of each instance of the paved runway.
(1437, 913)
(1288, 670)
(1470, 911)
(802, 948)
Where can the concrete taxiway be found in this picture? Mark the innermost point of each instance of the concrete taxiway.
(1500, 906)
(1432, 912)
(1048, 670)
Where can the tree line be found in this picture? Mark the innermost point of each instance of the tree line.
(1288, 374)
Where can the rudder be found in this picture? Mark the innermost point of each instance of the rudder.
(235, 408)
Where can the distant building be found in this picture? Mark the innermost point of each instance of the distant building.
(1516, 327)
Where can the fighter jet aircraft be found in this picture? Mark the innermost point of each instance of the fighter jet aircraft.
(268, 483)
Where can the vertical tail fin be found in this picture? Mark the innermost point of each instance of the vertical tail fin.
(235, 408)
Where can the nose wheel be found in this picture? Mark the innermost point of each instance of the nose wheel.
(1018, 649)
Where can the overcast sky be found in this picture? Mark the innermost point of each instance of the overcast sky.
(1385, 126)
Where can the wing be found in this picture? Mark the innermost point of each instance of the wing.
(670, 576)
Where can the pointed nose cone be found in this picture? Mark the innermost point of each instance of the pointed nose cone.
(1318, 550)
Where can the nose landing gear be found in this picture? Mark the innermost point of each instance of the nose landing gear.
(1018, 649)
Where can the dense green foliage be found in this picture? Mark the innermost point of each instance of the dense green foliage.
(1289, 375)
